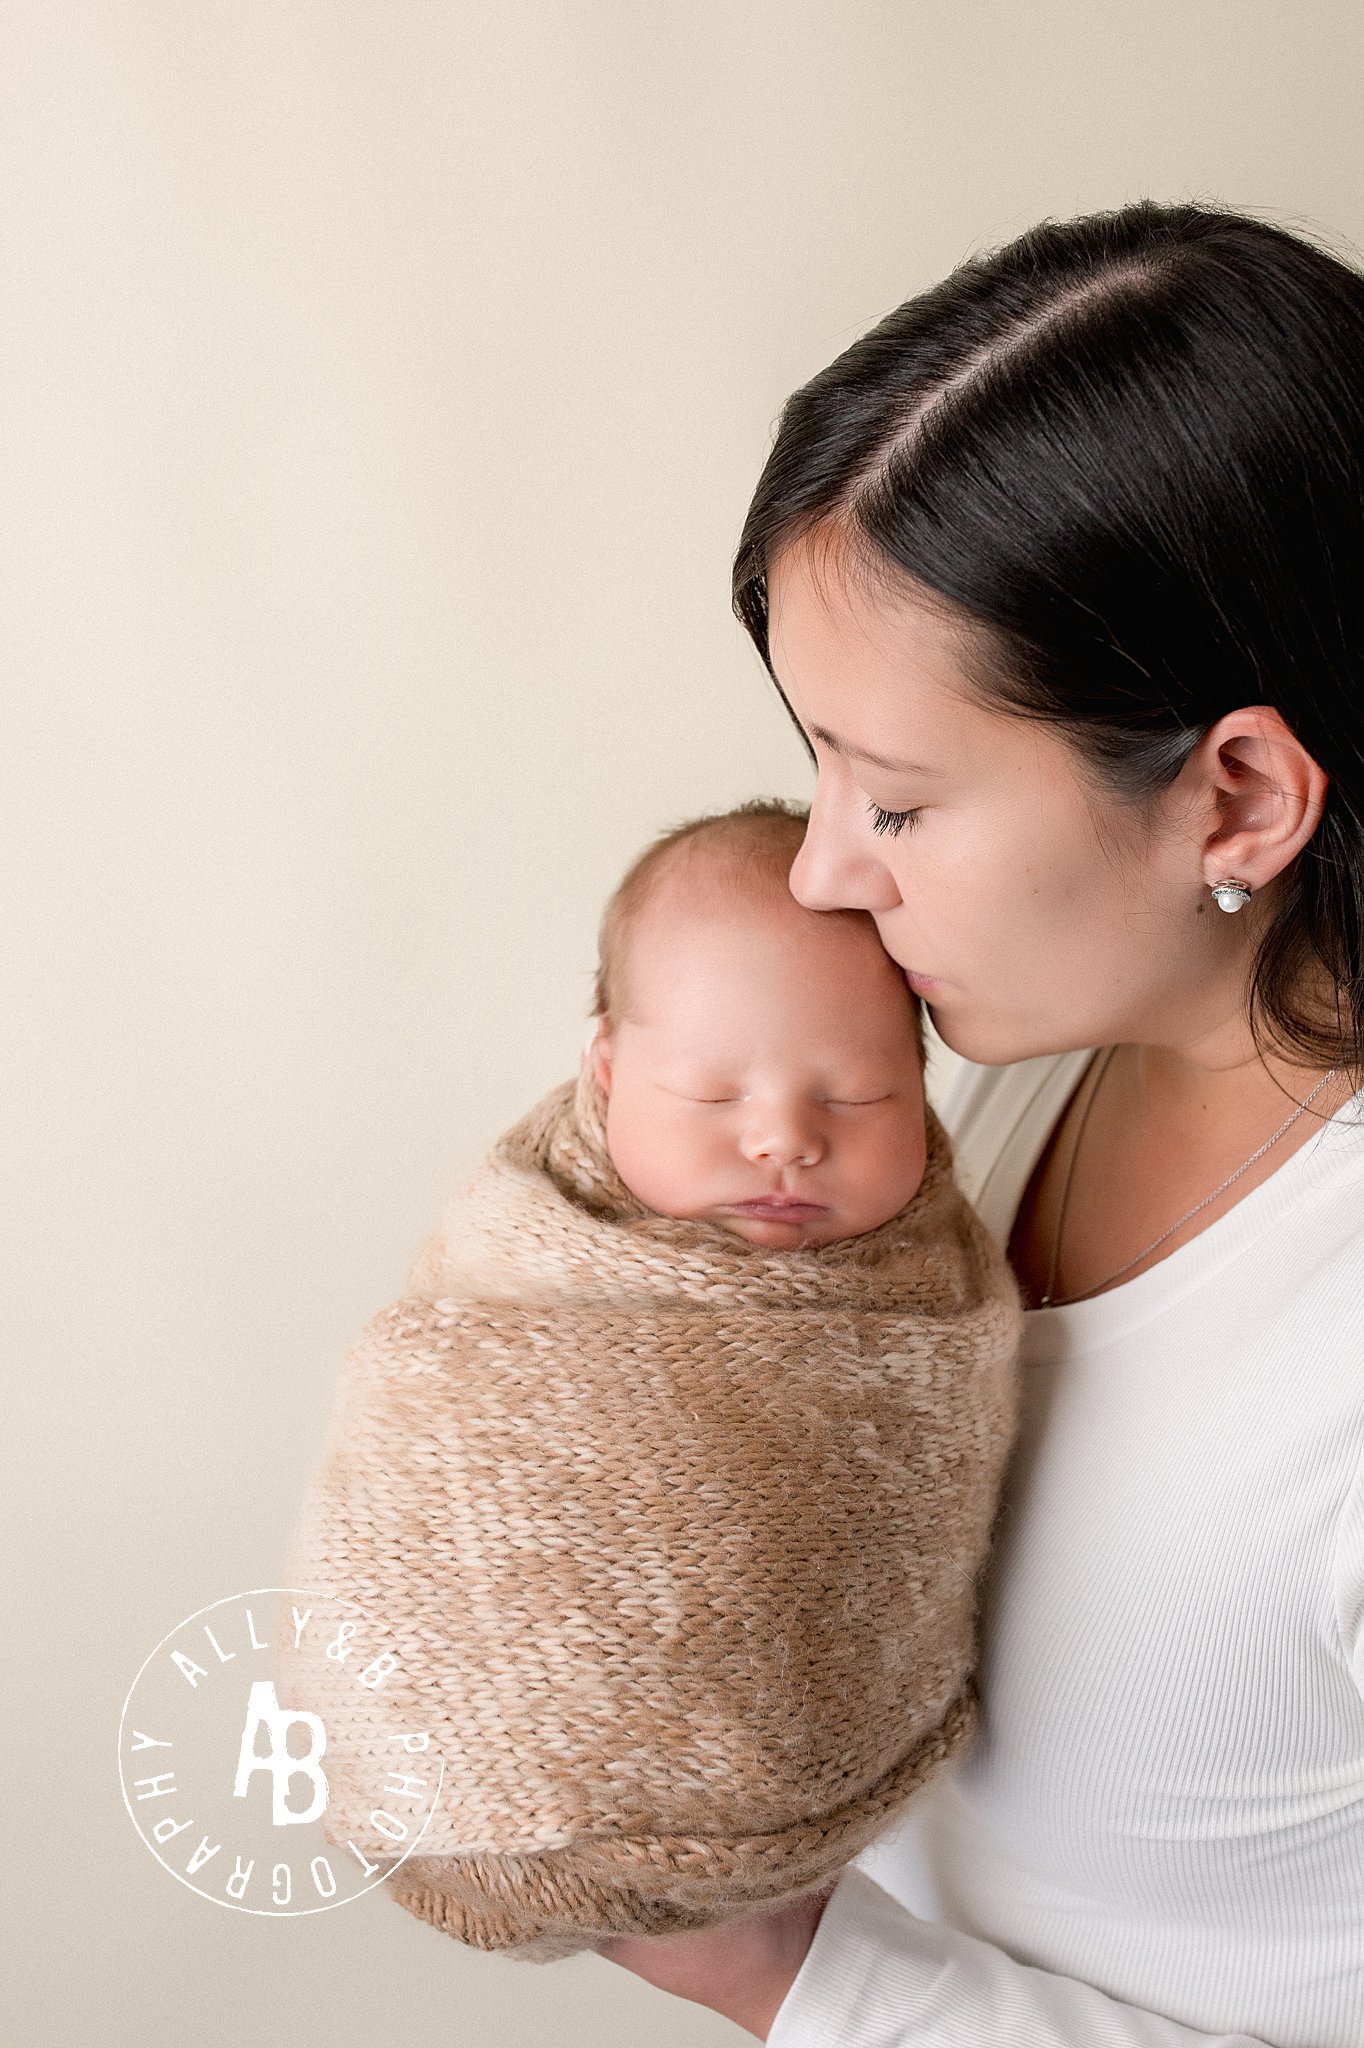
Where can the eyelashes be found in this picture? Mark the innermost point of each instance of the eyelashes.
(892, 821)
(832, 1102)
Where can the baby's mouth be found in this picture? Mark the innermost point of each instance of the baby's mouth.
(784, 1208)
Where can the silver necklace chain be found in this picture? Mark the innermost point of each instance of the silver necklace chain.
(1048, 1300)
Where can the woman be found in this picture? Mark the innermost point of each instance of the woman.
(1060, 573)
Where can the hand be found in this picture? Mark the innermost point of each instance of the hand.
(743, 1969)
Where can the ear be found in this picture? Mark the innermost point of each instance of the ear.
(597, 1054)
(1268, 793)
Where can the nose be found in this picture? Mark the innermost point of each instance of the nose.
(781, 1135)
(834, 869)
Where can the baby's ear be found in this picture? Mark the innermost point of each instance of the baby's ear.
(597, 1053)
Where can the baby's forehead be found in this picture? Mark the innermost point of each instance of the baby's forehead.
(721, 916)
(692, 889)
(689, 896)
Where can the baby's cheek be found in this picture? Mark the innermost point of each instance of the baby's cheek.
(656, 1161)
(899, 1166)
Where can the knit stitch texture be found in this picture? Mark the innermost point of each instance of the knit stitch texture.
(677, 1540)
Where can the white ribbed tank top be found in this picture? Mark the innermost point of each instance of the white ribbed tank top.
(1165, 1795)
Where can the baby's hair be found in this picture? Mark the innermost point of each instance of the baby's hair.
(750, 850)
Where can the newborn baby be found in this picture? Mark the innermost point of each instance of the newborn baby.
(671, 1474)
(762, 1064)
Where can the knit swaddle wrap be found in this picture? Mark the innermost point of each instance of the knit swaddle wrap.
(677, 1540)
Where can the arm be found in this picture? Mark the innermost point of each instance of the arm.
(876, 1977)
(850, 1968)
(742, 1969)
(1348, 1579)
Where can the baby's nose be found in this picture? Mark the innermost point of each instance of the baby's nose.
(783, 1137)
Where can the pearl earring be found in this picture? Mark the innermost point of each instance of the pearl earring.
(1230, 895)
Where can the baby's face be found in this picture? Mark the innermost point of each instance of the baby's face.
(764, 1076)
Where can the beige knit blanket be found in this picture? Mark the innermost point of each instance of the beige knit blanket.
(676, 1540)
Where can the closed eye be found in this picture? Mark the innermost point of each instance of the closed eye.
(892, 821)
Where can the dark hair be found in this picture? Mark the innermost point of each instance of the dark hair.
(1128, 449)
(749, 850)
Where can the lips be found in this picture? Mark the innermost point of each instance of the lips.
(782, 1208)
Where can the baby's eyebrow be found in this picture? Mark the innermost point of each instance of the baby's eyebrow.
(839, 746)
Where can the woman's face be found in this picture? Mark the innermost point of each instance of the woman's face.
(1030, 934)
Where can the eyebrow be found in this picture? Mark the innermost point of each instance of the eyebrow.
(839, 746)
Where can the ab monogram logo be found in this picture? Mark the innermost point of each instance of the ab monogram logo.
(228, 1786)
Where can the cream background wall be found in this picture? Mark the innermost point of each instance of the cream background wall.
(382, 389)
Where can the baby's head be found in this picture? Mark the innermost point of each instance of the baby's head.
(755, 1055)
